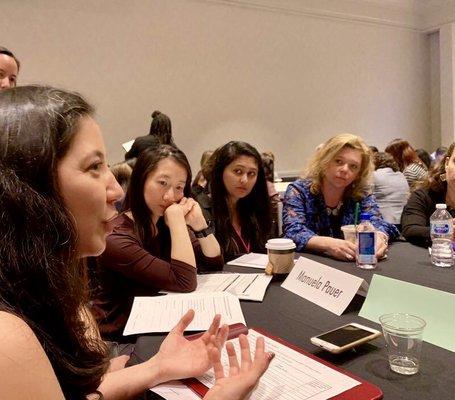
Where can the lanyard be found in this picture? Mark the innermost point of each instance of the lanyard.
(239, 234)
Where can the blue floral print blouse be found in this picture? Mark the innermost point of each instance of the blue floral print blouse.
(305, 214)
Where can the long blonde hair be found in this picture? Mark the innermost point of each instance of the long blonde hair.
(321, 159)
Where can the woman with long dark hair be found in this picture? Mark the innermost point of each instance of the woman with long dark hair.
(238, 205)
(438, 188)
(57, 200)
(151, 248)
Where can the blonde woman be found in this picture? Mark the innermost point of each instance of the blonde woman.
(318, 205)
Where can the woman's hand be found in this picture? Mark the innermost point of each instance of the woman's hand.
(382, 244)
(194, 217)
(180, 358)
(174, 213)
(340, 249)
(242, 379)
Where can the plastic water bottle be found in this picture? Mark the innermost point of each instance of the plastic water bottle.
(366, 243)
(441, 229)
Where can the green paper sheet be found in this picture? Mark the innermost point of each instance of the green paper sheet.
(437, 308)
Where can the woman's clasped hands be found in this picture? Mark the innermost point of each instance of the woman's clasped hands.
(191, 212)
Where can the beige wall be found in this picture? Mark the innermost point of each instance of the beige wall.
(281, 81)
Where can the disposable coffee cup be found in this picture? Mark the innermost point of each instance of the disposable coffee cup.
(349, 233)
(281, 256)
(403, 338)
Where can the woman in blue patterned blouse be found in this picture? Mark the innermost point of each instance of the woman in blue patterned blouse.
(318, 205)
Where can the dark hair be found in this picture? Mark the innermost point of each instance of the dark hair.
(403, 153)
(441, 151)
(424, 156)
(373, 149)
(268, 162)
(385, 160)
(436, 180)
(4, 50)
(161, 128)
(140, 144)
(42, 279)
(122, 174)
(134, 201)
(254, 210)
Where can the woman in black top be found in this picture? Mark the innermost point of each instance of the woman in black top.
(438, 188)
(238, 205)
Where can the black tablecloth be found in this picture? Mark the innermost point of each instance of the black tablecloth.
(295, 319)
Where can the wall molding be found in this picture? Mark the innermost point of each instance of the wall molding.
(394, 14)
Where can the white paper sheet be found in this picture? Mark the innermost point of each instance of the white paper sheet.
(175, 390)
(244, 286)
(291, 375)
(127, 145)
(161, 313)
(251, 260)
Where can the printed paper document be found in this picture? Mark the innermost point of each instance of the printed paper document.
(161, 313)
(244, 286)
(251, 260)
(291, 375)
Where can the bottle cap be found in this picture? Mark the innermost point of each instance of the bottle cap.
(441, 206)
(365, 217)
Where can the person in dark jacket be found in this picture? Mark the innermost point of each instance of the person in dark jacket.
(438, 188)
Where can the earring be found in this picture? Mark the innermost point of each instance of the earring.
(442, 177)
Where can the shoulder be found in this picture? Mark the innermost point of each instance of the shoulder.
(299, 186)
(25, 369)
(123, 228)
(423, 194)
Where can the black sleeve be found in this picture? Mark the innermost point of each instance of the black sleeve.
(415, 220)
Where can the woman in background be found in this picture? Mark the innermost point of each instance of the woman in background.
(390, 188)
(438, 188)
(57, 199)
(9, 68)
(161, 128)
(268, 163)
(318, 205)
(122, 174)
(151, 248)
(408, 161)
(200, 181)
(238, 206)
(160, 133)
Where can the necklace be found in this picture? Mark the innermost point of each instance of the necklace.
(334, 211)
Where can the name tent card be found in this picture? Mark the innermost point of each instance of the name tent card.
(325, 286)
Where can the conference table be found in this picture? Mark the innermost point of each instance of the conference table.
(296, 320)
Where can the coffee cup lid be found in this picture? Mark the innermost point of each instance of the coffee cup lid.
(280, 244)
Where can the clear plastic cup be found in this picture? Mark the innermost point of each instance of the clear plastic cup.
(403, 338)
(349, 233)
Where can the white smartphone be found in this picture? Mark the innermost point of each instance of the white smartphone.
(345, 337)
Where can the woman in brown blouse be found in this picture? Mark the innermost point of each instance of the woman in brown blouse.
(151, 247)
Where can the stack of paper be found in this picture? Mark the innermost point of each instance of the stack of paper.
(161, 313)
